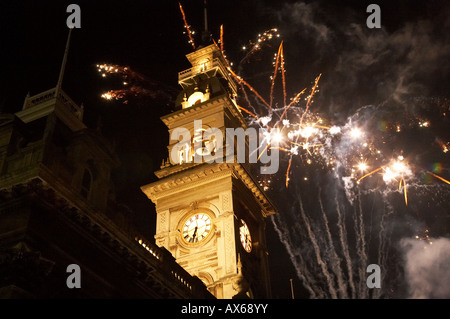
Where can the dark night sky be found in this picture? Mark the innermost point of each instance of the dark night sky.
(407, 58)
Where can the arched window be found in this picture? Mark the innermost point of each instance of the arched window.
(86, 183)
(196, 98)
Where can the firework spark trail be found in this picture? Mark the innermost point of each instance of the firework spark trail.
(264, 150)
(134, 84)
(221, 40)
(287, 171)
(383, 238)
(370, 173)
(438, 177)
(334, 258)
(320, 261)
(247, 111)
(126, 72)
(290, 104)
(360, 246)
(242, 81)
(362, 233)
(249, 104)
(344, 246)
(132, 91)
(296, 98)
(275, 71)
(404, 190)
(300, 267)
(310, 98)
(112, 69)
(256, 46)
(188, 28)
(283, 76)
(247, 99)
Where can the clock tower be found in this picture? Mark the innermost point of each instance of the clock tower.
(211, 215)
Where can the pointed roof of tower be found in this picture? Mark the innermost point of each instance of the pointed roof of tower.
(54, 100)
(206, 35)
(64, 62)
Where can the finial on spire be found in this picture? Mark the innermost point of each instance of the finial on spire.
(63, 64)
(206, 35)
(205, 15)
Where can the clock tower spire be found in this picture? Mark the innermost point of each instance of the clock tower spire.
(206, 35)
(211, 216)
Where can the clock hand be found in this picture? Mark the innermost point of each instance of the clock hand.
(195, 232)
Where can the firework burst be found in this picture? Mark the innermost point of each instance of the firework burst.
(133, 84)
(302, 132)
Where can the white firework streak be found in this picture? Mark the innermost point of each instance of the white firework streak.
(361, 247)
(320, 261)
(383, 238)
(301, 269)
(344, 245)
(335, 261)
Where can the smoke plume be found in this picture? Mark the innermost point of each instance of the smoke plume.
(427, 267)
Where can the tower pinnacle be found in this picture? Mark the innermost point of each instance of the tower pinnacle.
(63, 64)
(206, 35)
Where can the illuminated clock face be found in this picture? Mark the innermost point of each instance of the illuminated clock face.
(196, 228)
(246, 239)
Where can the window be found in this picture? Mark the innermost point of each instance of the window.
(195, 98)
(86, 184)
